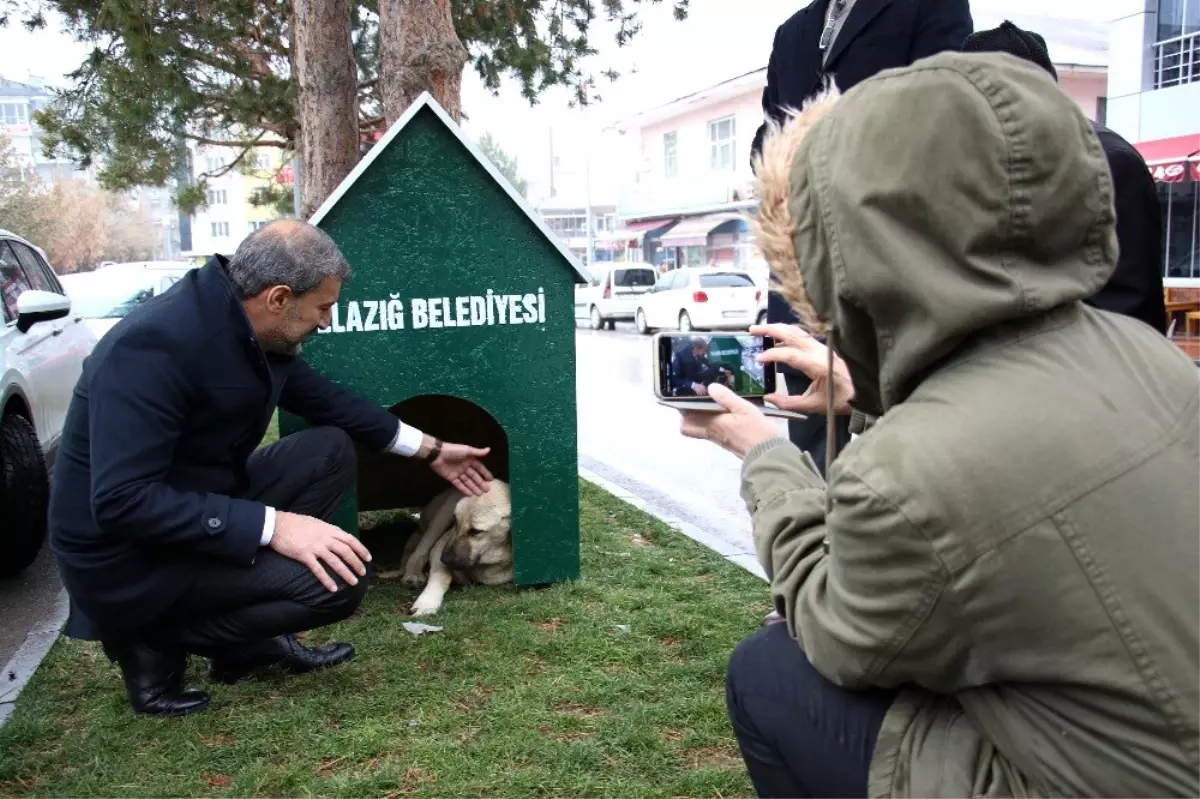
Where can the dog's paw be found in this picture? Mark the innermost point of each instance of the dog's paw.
(424, 608)
(414, 580)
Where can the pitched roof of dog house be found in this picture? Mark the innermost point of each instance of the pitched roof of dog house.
(426, 100)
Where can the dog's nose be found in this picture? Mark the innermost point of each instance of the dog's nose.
(447, 557)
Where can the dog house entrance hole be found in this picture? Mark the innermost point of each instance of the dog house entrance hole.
(388, 482)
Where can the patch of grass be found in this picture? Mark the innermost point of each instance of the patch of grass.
(525, 693)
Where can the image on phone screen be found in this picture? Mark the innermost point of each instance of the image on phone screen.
(689, 362)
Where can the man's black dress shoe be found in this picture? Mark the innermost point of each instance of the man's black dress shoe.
(154, 679)
(284, 651)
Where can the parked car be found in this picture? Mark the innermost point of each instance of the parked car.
(42, 349)
(613, 295)
(701, 298)
(105, 296)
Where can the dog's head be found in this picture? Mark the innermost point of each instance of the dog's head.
(482, 530)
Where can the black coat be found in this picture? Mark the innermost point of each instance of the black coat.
(1136, 287)
(877, 35)
(146, 484)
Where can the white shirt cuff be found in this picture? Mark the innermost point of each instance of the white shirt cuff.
(407, 442)
(268, 527)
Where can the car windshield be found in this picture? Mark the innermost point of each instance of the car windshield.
(109, 296)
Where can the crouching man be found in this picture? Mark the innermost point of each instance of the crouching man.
(173, 534)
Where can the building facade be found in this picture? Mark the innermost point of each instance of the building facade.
(688, 201)
(230, 213)
(1154, 102)
(19, 101)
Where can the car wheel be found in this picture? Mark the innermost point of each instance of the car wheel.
(762, 318)
(685, 322)
(611, 324)
(24, 494)
(639, 319)
(597, 322)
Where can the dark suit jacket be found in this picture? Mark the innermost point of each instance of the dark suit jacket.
(1136, 287)
(169, 406)
(877, 35)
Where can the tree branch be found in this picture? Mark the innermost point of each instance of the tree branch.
(243, 143)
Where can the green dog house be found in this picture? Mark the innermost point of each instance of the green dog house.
(459, 317)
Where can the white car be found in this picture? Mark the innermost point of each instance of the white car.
(614, 295)
(42, 349)
(700, 298)
(103, 297)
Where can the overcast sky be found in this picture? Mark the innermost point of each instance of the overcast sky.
(720, 39)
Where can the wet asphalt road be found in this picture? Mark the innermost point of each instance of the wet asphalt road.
(625, 436)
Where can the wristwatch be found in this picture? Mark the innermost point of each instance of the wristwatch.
(434, 451)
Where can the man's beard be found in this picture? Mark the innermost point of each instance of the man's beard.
(280, 344)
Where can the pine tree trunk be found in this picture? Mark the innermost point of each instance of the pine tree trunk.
(419, 51)
(328, 103)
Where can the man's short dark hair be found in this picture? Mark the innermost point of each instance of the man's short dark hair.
(286, 252)
(1008, 38)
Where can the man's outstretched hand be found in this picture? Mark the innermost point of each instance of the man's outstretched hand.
(319, 545)
(463, 468)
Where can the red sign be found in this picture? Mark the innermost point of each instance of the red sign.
(1170, 173)
(286, 175)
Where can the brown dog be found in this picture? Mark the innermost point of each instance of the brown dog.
(462, 540)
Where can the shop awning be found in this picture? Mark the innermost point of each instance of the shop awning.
(694, 232)
(636, 231)
(1173, 160)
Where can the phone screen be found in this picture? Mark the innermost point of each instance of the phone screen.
(689, 360)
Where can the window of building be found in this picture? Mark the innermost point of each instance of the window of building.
(670, 154)
(1177, 49)
(220, 229)
(1180, 204)
(217, 197)
(721, 136)
(214, 162)
(257, 224)
(14, 113)
(606, 223)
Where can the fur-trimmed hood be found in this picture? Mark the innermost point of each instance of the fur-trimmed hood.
(929, 204)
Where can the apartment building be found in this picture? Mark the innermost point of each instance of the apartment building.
(1154, 102)
(19, 101)
(230, 213)
(692, 189)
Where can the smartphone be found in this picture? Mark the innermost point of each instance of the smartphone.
(686, 362)
(683, 360)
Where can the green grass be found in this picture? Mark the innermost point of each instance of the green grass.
(525, 693)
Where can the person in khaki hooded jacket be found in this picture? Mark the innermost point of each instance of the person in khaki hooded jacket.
(997, 592)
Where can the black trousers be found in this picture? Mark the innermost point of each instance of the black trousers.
(809, 434)
(800, 734)
(308, 473)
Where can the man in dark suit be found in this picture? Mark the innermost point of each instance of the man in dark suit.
(847, 41)
(1136, 287)
(172, 534)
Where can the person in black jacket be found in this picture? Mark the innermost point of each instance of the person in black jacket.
(1136, 287)
(846, 41)
(172, 534)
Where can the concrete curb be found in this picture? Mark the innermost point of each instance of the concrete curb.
(19, 670)
(648, 503)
